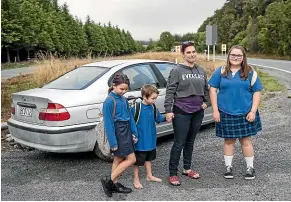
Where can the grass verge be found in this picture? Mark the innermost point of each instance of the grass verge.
(270, 84)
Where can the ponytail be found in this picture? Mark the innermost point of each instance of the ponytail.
(118, 79)
(110, 89)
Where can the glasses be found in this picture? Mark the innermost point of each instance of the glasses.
(188, 42)
(236, 56)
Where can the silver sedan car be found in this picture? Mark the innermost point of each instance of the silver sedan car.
(62, 115)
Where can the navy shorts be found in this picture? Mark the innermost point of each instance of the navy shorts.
(143, 156)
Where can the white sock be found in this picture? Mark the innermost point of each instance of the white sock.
(228, 160)
(250, 161)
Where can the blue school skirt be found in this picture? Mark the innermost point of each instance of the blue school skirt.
(124, 139)
(237, 126)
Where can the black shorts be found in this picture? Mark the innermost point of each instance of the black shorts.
(142, 156)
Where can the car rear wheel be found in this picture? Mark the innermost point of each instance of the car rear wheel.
(99, 154)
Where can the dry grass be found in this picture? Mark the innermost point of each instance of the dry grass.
(9, 86)
(51, 68)
(54, 67)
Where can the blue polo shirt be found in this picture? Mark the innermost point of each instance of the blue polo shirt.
(146, 127)
(122, 113)
(235, 95)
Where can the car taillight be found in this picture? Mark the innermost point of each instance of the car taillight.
(12, 109)
(54, 112)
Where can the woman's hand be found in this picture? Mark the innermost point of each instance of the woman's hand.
(204, 106)
(216, 116)
(251, 116)
(169, 116)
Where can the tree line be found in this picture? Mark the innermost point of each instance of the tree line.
(30, 26)
(167, 41)
(261, 26)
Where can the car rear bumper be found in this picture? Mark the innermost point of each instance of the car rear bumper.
(77, 138)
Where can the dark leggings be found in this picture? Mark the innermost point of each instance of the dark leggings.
(186, 127)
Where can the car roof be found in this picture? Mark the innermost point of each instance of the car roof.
(113, 63)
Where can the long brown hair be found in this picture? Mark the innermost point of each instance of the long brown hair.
(118, 79)
(245, 68)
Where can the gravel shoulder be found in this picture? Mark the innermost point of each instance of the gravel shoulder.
(36, 175)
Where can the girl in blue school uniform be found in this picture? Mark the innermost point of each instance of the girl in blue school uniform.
(146, 115)
(235, 107)
(121, 132)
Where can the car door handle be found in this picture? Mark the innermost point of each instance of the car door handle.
(131, 97)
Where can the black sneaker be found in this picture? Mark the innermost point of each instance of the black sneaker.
(107, 185)
(250, 174)
(119, 188)
(228, 174)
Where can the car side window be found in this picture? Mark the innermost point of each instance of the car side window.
(165, 69)
(139, 75)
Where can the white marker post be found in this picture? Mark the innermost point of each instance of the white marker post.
(214, 52)
(208, 53)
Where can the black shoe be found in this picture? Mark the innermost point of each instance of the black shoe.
(119, 188)
(250, 174)
(107, 185)
(228, 174)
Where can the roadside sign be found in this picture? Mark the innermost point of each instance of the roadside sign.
(223, 49)
(211, 38)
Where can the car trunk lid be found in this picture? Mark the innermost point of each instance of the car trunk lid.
(27, 108)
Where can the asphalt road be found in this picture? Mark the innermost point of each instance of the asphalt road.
(281, 65)
(9, 73)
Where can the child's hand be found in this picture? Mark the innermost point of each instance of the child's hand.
(251, 116)
(169, 116)
(114, 149)
(134, 139)
(204, 105)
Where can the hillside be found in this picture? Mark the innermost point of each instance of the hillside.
(261, 26)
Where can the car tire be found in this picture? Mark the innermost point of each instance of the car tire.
(99, 154)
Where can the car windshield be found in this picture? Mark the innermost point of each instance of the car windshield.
(77, 79)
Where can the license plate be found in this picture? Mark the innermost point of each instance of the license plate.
(24, 111)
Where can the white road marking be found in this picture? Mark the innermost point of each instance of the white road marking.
(265, 66)
(271, 68)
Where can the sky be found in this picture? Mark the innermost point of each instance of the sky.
(146, 19)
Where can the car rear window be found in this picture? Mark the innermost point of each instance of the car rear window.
(77, 79)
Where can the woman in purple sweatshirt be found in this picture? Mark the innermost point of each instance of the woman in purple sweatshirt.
(186, 98)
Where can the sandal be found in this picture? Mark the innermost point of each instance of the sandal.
(174, 180)
(192, 174)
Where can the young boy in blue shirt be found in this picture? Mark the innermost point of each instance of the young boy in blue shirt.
(146, 115)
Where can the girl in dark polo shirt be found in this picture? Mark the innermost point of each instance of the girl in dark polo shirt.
(186, 98)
